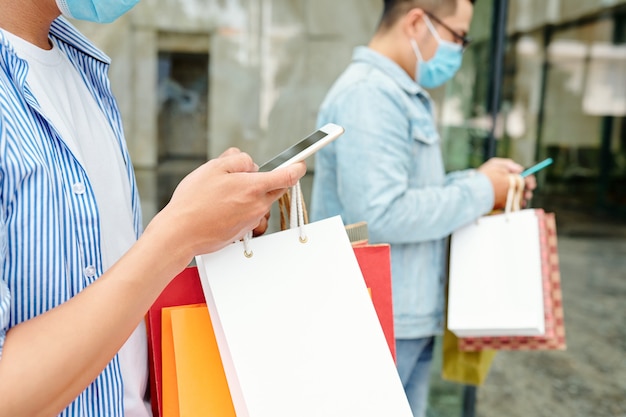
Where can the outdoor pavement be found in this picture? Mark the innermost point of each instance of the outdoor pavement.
(589, 378)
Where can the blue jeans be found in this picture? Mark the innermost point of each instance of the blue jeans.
(414, 357)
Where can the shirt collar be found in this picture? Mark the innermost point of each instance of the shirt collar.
(66, 32)
(389, 67)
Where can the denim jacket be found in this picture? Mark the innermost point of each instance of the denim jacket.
(387, 169)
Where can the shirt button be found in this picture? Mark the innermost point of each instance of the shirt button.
(78, 188)
(90, 271)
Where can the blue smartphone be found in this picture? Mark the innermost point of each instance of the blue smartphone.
(535, 168)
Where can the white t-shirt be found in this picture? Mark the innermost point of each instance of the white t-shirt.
(67, 103)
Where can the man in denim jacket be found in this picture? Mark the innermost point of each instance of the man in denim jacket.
(387, 168)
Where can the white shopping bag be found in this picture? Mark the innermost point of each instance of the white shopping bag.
(495, 283)
(297, 329)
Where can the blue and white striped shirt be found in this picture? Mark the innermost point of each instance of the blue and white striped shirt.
(50, 237)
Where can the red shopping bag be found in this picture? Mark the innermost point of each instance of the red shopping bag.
(375, 263)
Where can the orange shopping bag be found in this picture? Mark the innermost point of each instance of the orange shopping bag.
(194, 383)
(184, 289)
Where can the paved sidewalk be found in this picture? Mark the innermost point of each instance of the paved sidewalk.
(589, 378)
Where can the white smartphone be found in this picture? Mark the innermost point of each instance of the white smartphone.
(305, 148)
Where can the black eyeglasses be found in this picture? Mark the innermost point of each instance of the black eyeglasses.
(464, 41)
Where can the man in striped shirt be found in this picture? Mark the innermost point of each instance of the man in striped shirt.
(76, 272)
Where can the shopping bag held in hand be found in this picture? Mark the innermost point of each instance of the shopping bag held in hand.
(554, 338)
(296, 327)
(495, 283)
(185, 291)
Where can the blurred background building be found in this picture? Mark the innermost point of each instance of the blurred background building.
(563, 95)
(194, 77)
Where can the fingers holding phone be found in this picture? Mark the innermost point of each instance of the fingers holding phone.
(226, 197)
(220, 201)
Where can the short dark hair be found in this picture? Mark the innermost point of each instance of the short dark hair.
(394, 9)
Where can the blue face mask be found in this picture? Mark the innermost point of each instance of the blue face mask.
(442, 66)
(99, 11)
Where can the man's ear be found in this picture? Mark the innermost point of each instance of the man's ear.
(413, 23)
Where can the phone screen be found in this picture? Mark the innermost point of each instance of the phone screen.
(293, 151)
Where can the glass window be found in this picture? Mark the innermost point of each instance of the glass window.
(585, 94)
(183, 118)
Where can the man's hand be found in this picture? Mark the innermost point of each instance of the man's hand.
(221, 201)
(498, 171)
(530, 185)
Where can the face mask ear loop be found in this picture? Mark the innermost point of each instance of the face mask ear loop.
(432, 28)
(420, 58)
(416, 49)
